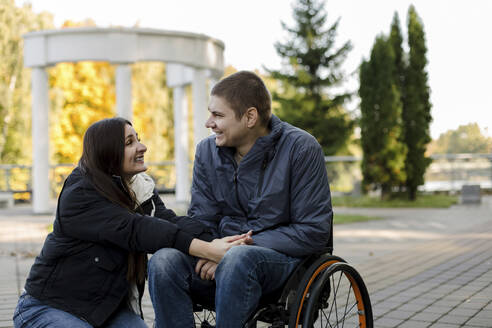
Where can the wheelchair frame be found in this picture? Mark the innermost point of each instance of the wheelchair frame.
(306, 295)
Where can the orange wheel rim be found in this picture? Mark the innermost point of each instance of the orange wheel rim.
(358, 295)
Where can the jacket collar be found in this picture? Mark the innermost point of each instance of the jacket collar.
(276, 129)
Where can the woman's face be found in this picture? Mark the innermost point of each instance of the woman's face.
(133, 161)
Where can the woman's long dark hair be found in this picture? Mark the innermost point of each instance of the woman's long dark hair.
(102, 158)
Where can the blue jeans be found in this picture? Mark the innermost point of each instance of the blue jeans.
(31, 312)
(243, 275)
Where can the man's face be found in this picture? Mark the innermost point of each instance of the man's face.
(229, 131)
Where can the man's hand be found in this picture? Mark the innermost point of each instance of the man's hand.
(216, 249)
(206, 269)
(222, 245)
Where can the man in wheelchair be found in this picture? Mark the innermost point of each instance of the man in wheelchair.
(257, 174)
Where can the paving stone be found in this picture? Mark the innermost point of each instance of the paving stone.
(427, 316)
(387, 322)
(438, 309)
(446, 303)
(485, 313)
(475, 304)
(414, 324)
(412, 307)
(480, 322)
(463, 311)
(443, 325)
(454, 319)
(397, 314)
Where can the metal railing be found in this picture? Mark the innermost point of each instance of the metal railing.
(16, 178)
(447, 172)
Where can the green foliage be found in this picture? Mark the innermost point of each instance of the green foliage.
(466, 139)
(395, 86)
(397, 201)
(416, 106)
(312, 67)
(396, 40)
(352, 218)
(384, 153)
(15, 98)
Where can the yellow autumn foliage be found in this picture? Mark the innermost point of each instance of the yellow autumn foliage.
(87, 95)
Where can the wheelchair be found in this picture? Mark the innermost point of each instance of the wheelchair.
(323, 291)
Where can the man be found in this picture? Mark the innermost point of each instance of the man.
(255, 174)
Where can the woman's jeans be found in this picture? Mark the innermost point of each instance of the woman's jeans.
(31, 312)
(243, 275)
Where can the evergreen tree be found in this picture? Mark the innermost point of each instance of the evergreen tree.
(396, 40)
(380, 123)
(313, 67)
(416, 106)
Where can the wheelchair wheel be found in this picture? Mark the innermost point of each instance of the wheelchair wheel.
(333, 296)
(204, 319)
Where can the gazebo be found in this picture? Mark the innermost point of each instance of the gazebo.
(191, 59)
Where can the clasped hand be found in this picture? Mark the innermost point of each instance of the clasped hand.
(206, 268)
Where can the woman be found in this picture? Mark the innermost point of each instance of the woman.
(92, 268)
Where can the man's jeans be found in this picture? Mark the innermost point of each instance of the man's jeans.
(243, 275)
(31, 312)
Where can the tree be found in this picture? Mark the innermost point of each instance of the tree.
(15, 98)
(312, 68)
(153, 110)
(84, 92)
(380, 122)
(416, 106)
(81, 93)
(396, 41)
(465, 139)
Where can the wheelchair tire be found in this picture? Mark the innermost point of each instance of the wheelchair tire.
(334, 295)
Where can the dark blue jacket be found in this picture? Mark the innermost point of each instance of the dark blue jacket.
(83, 264)
(279, 190)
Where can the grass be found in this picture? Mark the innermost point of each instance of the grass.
(350, 218)
(422, 201)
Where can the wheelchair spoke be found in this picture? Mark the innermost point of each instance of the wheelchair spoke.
(339, 296)
(205, 318)
(346, 304)
(335, 293)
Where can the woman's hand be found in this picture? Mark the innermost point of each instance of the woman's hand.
(222, 245)
(216, 249)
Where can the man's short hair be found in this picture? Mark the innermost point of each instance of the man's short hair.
(243, 90)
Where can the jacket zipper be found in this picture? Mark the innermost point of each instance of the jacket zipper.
(262, 174)
(237, 195)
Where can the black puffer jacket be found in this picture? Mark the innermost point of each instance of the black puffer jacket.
(83, 264)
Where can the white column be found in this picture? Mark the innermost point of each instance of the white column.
(40, 141)
(124, 91)
(181, 144)
(200, 105)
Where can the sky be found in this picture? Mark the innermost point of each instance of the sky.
(458, 38)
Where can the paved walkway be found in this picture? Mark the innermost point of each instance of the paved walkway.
(423, 267)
